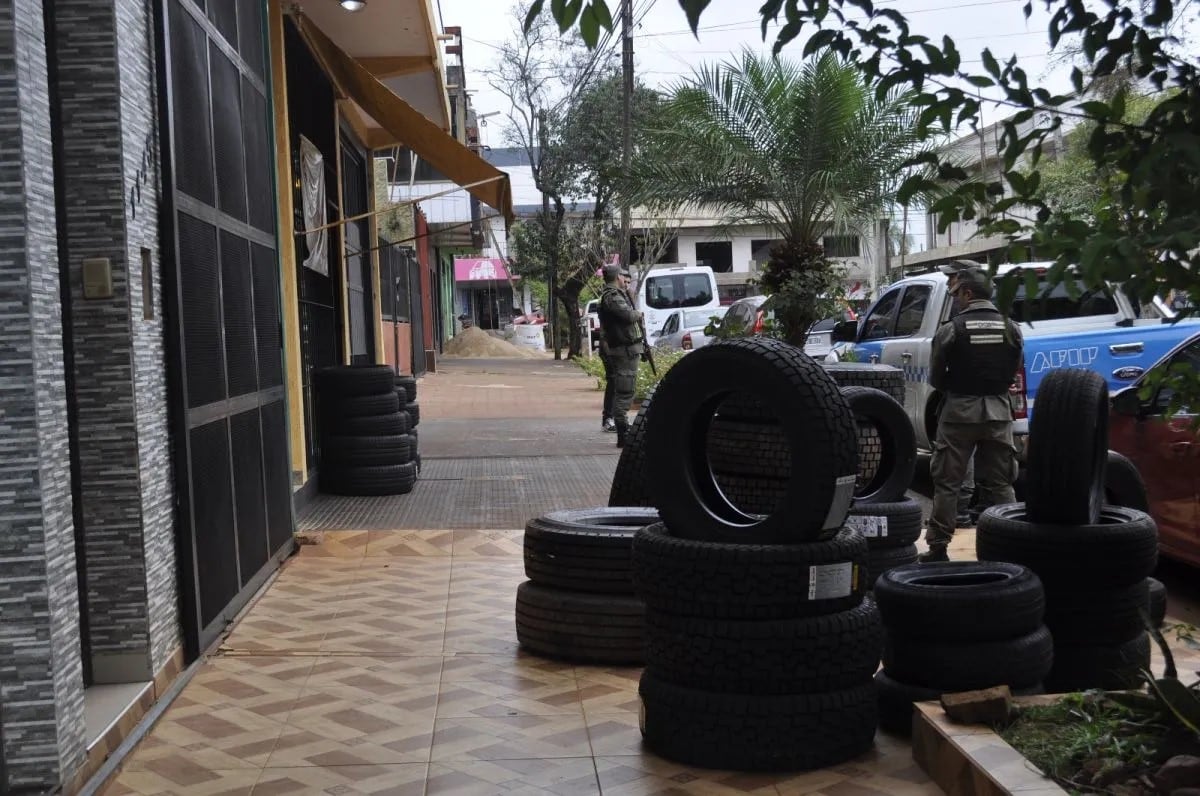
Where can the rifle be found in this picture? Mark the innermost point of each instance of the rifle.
(646, 353)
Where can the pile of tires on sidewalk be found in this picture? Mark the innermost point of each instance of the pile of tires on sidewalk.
(368, 430)
(1094, 560)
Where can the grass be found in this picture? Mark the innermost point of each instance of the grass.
(1086, 742)
(646, 380)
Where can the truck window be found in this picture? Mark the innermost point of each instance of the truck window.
(1057, 304)
(879, 323)
(671, 291)
(912, 310)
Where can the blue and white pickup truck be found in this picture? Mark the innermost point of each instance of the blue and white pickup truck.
(1099, 330)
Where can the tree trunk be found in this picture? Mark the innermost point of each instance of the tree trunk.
(568, 296)
(552, 262)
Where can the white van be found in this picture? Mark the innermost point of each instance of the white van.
(666, 288)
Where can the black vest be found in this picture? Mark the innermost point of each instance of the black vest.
(984, 357)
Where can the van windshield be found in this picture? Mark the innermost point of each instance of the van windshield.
(672, 291)
(1057, 304)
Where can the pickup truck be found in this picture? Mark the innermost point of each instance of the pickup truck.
(1097, 329)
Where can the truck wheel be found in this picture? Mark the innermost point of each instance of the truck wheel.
(966, 666)
(748, 732)
(895, 459)
(748, 581)
(629, 481)
(783, 656)
(863, 374)
(1068, 448)
(578, 627)
(1120, 550)
(815, 421)
(1123, 485)
(584, 549)
(394, 479)
(371, 426)
(406, 387)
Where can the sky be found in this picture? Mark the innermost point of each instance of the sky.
(666, 51)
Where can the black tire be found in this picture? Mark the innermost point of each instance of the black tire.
(406, 387)
(1158, 601)
(896, 701)
(754, 495)
(961, 601)
(1068, 448)
(815, 420)
(966, 666)
(748, 449)
(584, 549)
(895, 461)
(864, 374)
(376, 426)
(581, 628)
(1098, 616)
(343, 381)
(885, 559)
(365, 405)
(341, 451)
(414, 413)
(747, 732)
(742, 581)
(1078, 667)
(887, 524)
(395, 479)
(1123, 485)
(785, 656)
(629, 486)
(1119, 551)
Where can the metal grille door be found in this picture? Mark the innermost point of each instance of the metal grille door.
(358, 256)
(221, 279)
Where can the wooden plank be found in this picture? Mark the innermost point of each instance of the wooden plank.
(397, 65)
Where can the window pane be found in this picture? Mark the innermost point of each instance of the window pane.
(912, 310)
(677, 290)
(879, 323)
(1050, 305)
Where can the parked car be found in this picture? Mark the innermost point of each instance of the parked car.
(1079, 328)
(666, 288)
(591, 314)
(751, 314)
(820, 336)
(744, 317)
(1166, 451)
(684, 329)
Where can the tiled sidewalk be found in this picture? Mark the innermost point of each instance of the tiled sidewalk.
(387, 662)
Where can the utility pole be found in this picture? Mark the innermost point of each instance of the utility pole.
(626, 120)
(551, 259)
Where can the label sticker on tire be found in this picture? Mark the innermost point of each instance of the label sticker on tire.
(830, 581)
(839, 507)
(870, 527)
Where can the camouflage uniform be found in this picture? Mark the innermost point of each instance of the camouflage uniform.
(623, 336)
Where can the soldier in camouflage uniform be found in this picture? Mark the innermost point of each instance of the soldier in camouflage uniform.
(619, 323)
(974, 360)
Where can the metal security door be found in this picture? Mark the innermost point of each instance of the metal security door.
(221, 287)
(360, 298)
(417, 315)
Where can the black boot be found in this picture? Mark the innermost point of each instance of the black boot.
(622, 430)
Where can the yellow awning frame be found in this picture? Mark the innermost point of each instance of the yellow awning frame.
(406, 125)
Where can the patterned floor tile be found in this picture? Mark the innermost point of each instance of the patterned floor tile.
(457, 667)
(410, 543)
(609, 690)
(517, 697)
(614, 734)
(374, 676)
(337, 544)
(266, 686)
(647, 775)
(181, 777)
(569, 777)
(192, 734)
(275, 633)
(492, 634)
(488, 543)
(395, 780)
(510, 738)
(334, 727)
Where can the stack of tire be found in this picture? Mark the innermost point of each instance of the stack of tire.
(578, 604)
(958, 626)
(760, 647)
(406, 391)
(366, 447)
(1094, 559)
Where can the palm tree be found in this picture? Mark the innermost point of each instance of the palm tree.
(801, 148)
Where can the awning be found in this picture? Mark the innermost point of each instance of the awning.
(407, 126)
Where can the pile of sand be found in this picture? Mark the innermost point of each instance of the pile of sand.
(475, 342)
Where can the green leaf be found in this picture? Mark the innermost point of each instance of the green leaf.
(990, 63)
(558, 9)
(589, 27)
(570, 14)
(603, 15)
(1182, 701)
(534, 10)
(818, 40)
(693, 9)
(980, 81)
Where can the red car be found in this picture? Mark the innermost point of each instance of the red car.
(1166, 452)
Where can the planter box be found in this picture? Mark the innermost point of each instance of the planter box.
(972, 759)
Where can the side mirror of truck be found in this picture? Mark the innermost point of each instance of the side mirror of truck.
(1127, 402)
(845, 332)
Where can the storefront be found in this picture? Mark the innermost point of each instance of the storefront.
(488, 296)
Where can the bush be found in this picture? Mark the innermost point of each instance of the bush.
(646, 380)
